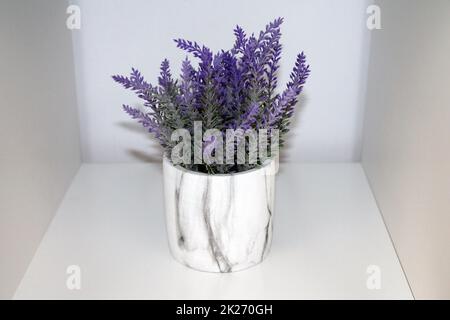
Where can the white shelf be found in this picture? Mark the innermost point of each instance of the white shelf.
(327, 231)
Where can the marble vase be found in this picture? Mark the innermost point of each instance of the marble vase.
(219, 223)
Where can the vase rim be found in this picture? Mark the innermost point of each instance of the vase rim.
(266, 164)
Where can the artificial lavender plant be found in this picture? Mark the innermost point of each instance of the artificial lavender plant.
(229, 89)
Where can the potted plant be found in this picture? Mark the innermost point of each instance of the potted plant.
(221, 125)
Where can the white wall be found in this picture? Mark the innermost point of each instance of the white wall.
(116, 35)
(39, 137)
(406, 151)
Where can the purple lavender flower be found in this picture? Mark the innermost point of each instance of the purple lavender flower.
(230, 89)
(135, 82)
(165, 78)
(147, 122)
(282, 108)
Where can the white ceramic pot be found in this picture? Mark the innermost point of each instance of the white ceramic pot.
(219, 223)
